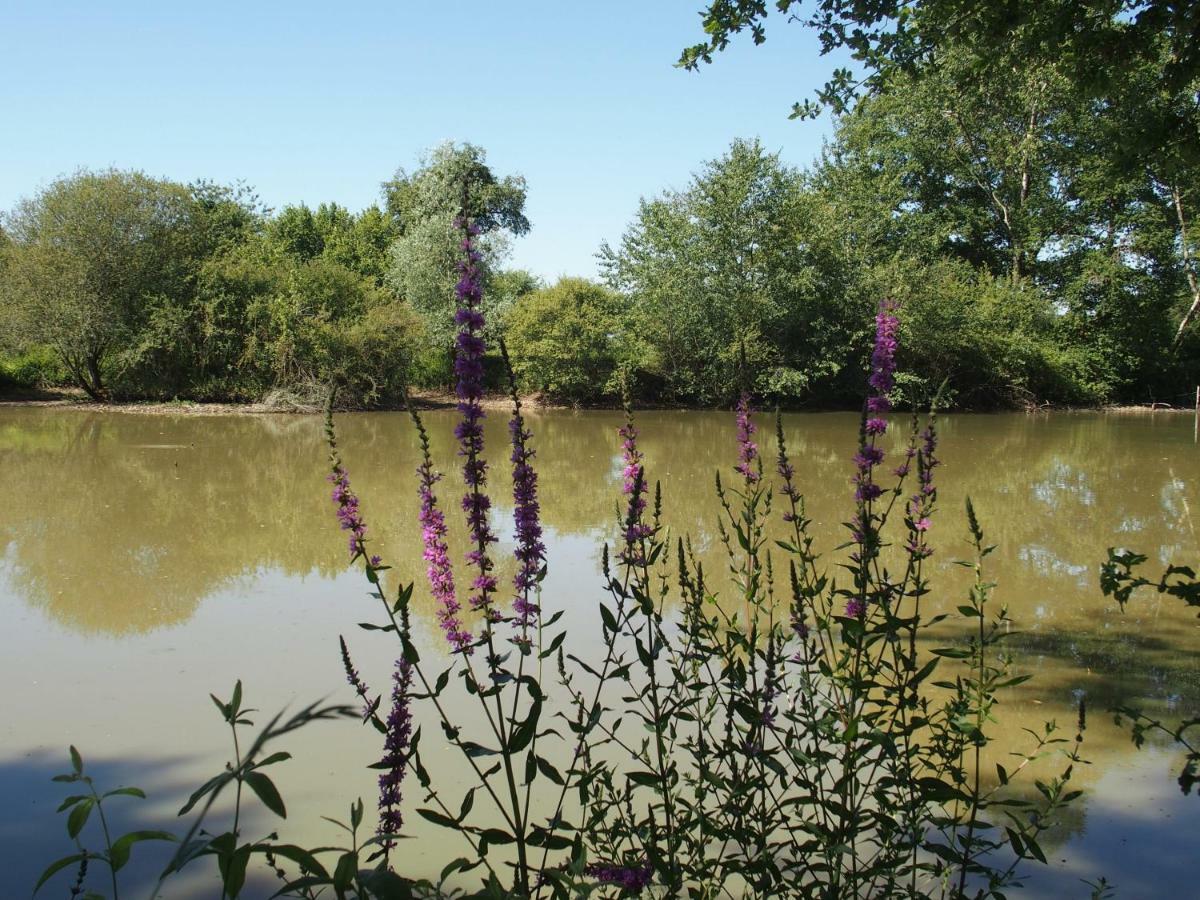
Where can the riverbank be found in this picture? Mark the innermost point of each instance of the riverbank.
(69, 399)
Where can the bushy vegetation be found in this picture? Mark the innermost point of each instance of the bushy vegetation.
(786, 731)
(132, 287)
(1036, 217)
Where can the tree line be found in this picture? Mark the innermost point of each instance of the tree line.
(1036, 230)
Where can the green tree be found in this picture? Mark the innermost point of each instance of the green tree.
(1098, 43)
(423, 206)
(569, 340)
(733, 282)
(90, 257)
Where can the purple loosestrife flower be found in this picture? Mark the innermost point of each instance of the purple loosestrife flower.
(468, 371)
(349, 517)
(920, 504)
(747, 449)
(396, 753)
(870, 454)
(530, 551)
(433, 537)
(881, 381)
(633, 475)
(883, 360)
(629, 878)
(787, 472)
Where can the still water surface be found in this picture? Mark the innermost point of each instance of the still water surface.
(148, 560)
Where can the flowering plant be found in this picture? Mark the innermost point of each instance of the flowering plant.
(787, 730)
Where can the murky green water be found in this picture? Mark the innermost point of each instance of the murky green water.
(149, 560)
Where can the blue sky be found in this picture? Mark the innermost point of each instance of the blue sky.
(310, 102)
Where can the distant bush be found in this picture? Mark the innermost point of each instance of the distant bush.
(34, 367)
(568, 340)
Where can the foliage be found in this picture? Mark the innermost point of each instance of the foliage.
(788, 733)
(733, 284)
(35, 367)
(566, 340)
(89, 257)
(1100, 42)
(423, 206)
(1119, 579)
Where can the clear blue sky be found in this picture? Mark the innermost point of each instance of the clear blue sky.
(311, 102)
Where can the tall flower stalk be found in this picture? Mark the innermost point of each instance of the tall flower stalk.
(870, 454)
(439, 570)
(468, 370)
(530, 552)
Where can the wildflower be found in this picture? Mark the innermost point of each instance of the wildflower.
(396, 753)
(920, 504)
(436, 554)
(855, 608)
(629, 878)
(468, 371)
(349, 517)
(881, 381)
(633, 475)
(747, 449)
(530, 551)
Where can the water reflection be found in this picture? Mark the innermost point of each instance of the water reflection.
(151, 533)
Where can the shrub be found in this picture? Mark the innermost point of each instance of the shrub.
(567, 340)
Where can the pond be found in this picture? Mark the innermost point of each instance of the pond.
(151, 559)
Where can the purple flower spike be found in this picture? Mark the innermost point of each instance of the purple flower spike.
(349, 517)
(920, 504)
(468, 371)
(437, 555)
(633, 476)
(396, 753)
(530, 551)
(747, 449)
(881, 381)
(628, 878)
(855, 608)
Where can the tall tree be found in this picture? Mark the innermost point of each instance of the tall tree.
(423, 206)
(731, 283)
(89, 258)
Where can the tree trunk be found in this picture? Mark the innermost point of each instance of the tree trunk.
(1187, 268)
(93, 382)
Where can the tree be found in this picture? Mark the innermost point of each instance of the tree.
(733, 283)
(423, 206)
(1097, 42)
(568, 340)
(89, 257)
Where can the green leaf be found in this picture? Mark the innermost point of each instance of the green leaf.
(71, 801)
(236, 702)
(79, 816)
(343, 875)
(497, 836)
(233, 872)
(57, 866)
(123, 846)
(279, 756)
(127, 792)
(437, 818)
(216, 781)
(385, 885)
(76, 760)
(265, 788)
(298, 855)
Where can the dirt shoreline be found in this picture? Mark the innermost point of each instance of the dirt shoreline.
(434, 400)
